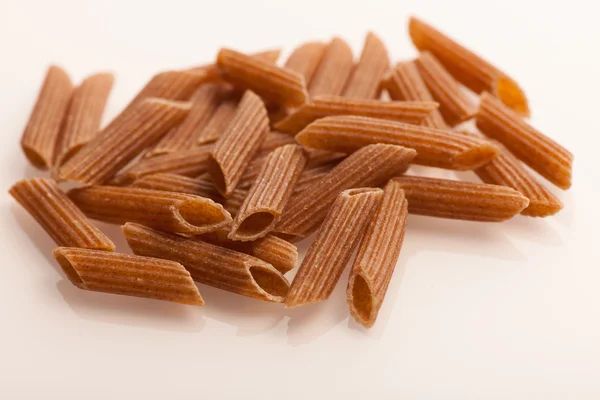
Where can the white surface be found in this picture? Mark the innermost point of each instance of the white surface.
(475, 311)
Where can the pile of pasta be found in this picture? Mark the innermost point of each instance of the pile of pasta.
(214, 172)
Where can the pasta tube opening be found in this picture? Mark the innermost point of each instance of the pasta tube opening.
(69, 270)
(362, 299)
(255, 224)
(271, 282)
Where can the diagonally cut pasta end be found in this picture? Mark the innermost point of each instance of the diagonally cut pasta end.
(34, 157)
(360, 301)
(542, 208)
(270, 282)
(476, 156)
(254, 226)
(202, 215)
(511, 94)
(68, 268)
(215, 171)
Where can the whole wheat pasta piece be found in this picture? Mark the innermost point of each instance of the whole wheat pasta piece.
(191, 162)
(204, 104)
(129, 275)
(57, 215)
(168, 211)
(212, 71)
(273, 140)
(507, 170)
(274, 250)
(269, 194)
(305, 59)
(238, 144)
(435, 147)
(467, 67)
(411, 112)
(535, 149)
(220, 118)
(211, 265)
(45, 122)
(455, 105)
(83, 119)
(122, 140)
(405, 83)
(273, 83)
(372, 165)
(445, 198)
(341, 232)
(334, 69)
(234, 202)
(179, 184)
(374, 62)
(377, 256)
(170, 85)
(312, 175)
(317, 157)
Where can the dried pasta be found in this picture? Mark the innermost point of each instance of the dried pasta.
(221, 117)
(305, 59)
(58, 216)
(374, 62)
(327, 256)
(179, 184)
(129, 275)
(334, 69)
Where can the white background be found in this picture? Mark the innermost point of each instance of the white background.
(475, 311)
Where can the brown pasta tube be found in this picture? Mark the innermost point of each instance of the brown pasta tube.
(274, 140)
(455, 105)
(269, 194)
(45, 122)
(461, 200)
(273, 83)
(507, 170)
(220, 119)
(179, 184)
(168, 211)
(305, 59)
(312, 175)
(274, 250)
(122, 140)
(405, 83)
(327, 256)
(83, 119)
(129, 275)
(212, 71)
(334, 69)
(436, 148)
(467, 67)
(370, 166)
(239, 143)
(535, 149)
(191, 162)
(57, 215)
(365, 81)
(411, 112)
(204, 104)
(377, 256)
(317, 157)
(211, 265)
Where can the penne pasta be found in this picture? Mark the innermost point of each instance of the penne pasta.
(212, 71)
(274, 140)
(179, 184)
(280, 253)
(220, 119)
(57, 215)
(45, 122)
(211, 265)
(83, 119)
(535, 149)
(507, 170)
(327, 256)
(191, 162)
(374, 62)
(461, 200)
(334, 69)
(305, 59)
(377, 256)
(467, 67)
(435, 147)
(238, 144)
(168, 211)
(318, 157)
(129, 275)
(312, 175)
(455, 105)
(274, 84)
(372, 165)
(122, 140)
(269, 194)
(411, 112)
(204, 103)
(405, 83)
